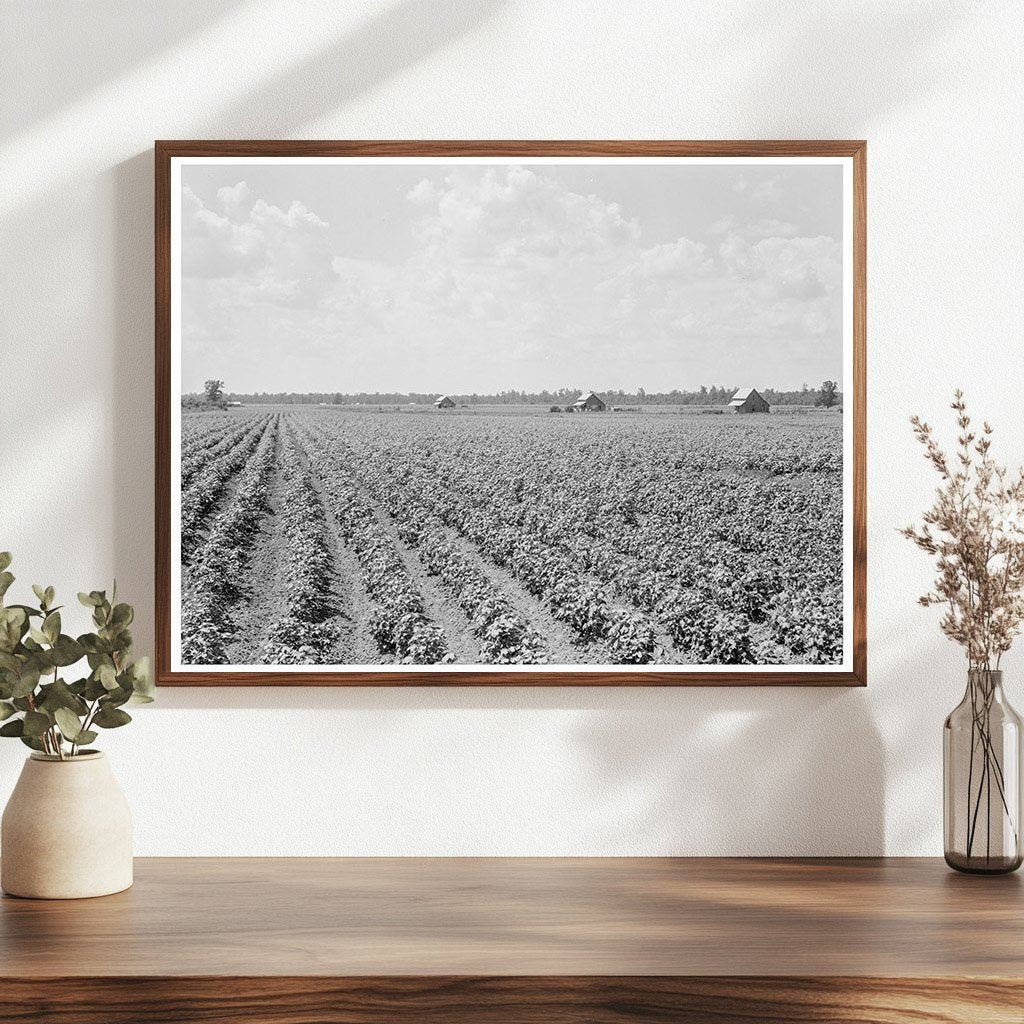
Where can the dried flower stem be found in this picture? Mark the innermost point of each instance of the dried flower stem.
(975, 531)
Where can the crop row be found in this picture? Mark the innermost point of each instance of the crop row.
(303, 634)
(710, 596)
(209, 482)
(399, 625)
(209, 446)
(722, 579)
(194, 425)
(717, 601)
(545, 571)
(735, 569)
(551, 576)
(216, 577)
(504, 633)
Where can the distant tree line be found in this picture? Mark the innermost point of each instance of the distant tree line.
(211, 398)
(826, 395)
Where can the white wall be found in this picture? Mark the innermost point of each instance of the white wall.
(937, 90)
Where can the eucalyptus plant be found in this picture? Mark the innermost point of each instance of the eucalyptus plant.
(37, 704)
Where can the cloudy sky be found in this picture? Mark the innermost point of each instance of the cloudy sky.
(484, 278)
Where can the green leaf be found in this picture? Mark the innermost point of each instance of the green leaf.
(36, 723)
(13, 728)
(38, 635)
(115, 698)
(122, 616)
(89, 600)
(13, 623)
(6, 579)
(86, 736)
(108, 718)
(107, 676)
(6, 710)
(102, 654)
(59, 695)
(40, 592)
(28, 610)
(31, 741)
(69, 724)
(27, 682)
(67, 651)
(50, 595)
(15, 615)
(142, 682)
(94, 689)
(94, 645)
(5, 560)
(51, 626)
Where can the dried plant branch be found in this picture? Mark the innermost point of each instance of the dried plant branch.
(975, 531)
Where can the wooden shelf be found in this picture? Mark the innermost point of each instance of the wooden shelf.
(577, 941)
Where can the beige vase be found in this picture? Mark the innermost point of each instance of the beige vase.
(66, 831)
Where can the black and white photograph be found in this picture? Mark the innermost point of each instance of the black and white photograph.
(490, 412)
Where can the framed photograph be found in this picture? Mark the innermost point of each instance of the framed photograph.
(493, 413)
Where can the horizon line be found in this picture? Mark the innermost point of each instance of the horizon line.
(551, 391)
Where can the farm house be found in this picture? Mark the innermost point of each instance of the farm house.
(590, 403)
(748, 400)
(444, 402)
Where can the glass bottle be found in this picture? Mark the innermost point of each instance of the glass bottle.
(981, 771)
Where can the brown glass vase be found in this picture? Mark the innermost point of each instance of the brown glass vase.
(981, 767)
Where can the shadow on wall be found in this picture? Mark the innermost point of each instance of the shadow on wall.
(133, 381)
(88, 28)
(689, 771)
(738, 770)
(394, 39)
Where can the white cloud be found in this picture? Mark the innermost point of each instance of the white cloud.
(269, 254)
(511, 215)
(234, 196)
(212, 246)
(675, 261)
(509, 278)
(804, 268)
(423, 193)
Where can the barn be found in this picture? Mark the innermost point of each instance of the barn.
(590, 403)
(748, 400)
(444, 402)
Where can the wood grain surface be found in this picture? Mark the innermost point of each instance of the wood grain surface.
(166, 150)
(284, 941)
(531, 916)
(518, 1000)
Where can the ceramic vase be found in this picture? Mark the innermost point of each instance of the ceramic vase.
(66, 831)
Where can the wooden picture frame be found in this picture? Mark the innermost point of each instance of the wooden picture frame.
(851, 155)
